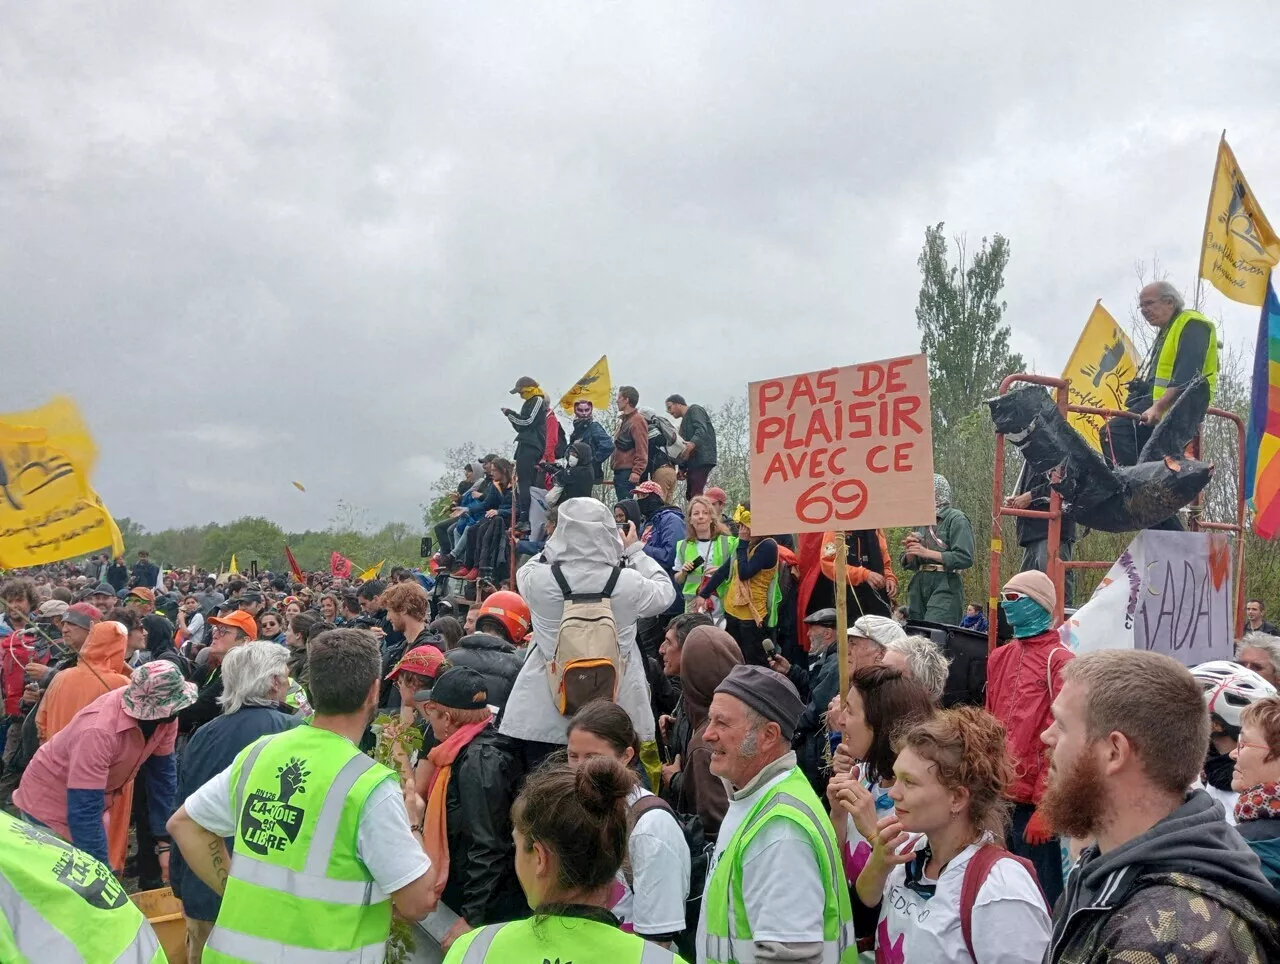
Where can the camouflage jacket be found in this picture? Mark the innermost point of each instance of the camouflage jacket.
(1168, 918)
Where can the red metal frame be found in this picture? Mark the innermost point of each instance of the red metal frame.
(1057, 568)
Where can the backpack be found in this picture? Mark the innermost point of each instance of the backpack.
(975, 875)
(588, 660)
(700, 851)
(663, 438)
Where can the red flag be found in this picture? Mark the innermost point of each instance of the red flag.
(339, 566)
(293, 565)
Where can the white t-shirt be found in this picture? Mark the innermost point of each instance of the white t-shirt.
(1010, 921)
(384, 842)
(857, 847)
(660, 871)
(195, 629)
(781, 881)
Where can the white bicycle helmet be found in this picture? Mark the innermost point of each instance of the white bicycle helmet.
(1229, 688)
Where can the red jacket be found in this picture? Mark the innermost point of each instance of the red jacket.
(16, 651)
(1023, 678)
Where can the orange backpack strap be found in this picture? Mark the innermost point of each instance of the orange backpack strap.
(975, 875)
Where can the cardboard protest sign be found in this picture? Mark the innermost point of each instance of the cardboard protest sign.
(843, 448)
(1169, 592)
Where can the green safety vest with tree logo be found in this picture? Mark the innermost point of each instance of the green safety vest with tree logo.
(297, 889)
(58, 905)
(1169, 354)
(569, 940)
(789, 799)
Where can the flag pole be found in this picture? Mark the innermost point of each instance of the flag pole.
(1208, 213)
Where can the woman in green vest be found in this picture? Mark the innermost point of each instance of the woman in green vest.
(570, 829)
(706, 538)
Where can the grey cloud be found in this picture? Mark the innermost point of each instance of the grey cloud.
(276, 241)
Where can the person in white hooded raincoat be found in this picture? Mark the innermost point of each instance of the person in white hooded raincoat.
(588, 546)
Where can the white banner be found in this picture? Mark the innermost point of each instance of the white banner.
(1169, 592)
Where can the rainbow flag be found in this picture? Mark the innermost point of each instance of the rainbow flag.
(1262, 451)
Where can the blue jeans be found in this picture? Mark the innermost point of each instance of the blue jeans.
(622, 483)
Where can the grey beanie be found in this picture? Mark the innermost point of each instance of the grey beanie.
(770, 694)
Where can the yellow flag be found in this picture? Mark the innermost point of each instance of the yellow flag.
(595, 387)
(234, 570)
(48, 508)
(1100, 369)
(1240, 248)
(372, 572)
(117, 540)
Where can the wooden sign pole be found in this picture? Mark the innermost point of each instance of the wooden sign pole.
(842, 615)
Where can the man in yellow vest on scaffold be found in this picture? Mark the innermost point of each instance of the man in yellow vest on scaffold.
(1186, 346)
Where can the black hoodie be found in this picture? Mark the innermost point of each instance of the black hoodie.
(495, 659)
(1192, 873)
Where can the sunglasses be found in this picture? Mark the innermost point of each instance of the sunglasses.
(1011, 596)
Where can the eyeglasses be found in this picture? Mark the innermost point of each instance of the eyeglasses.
(1010, 596)
(1149, 302)
(222, 631)
(1242, 745)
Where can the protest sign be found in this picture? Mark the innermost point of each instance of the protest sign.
(1169, 592)
(843, 448)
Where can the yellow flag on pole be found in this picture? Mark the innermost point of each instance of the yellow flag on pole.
(1240, 248)
(1100, 368)
(371, 572)
(595, 387)
(234, 570)
(48, 508)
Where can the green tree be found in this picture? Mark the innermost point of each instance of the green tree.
(732, 421)
(961, 326)
(250, 539)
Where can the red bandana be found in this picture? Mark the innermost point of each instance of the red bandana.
(1259, 803)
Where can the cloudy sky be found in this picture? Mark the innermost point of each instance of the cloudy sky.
(269, 241)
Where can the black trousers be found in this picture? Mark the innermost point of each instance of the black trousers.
(750, 639)
(1046, 858)
(527, 458)
(490, 539)
(148, 863)
(444, 534)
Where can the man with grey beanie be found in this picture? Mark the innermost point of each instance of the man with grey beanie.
(776, 851)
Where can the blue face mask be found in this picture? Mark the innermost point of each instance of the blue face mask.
(1026, 617)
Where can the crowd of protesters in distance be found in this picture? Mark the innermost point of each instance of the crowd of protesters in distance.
(643, 741)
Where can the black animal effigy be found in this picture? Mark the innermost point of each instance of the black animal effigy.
(1094, 494)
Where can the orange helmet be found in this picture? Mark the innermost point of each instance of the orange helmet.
(510, 609)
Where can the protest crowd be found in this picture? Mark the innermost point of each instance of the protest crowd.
(613, 728)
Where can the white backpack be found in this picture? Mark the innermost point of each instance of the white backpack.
(588, 660)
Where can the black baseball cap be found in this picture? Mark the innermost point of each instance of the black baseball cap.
(457, 688)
